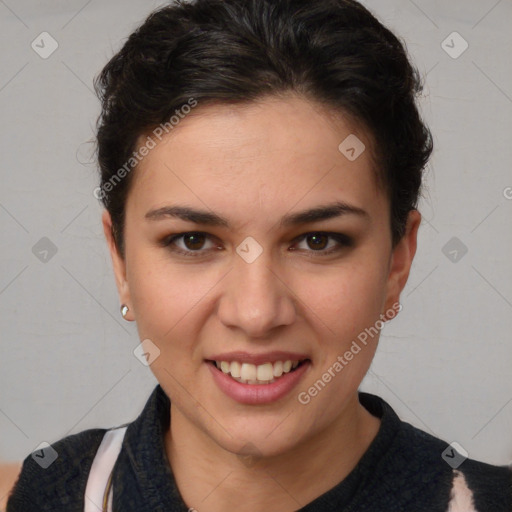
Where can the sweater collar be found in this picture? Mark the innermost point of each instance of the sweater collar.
(149, 483)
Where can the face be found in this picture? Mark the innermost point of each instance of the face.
(249, 280)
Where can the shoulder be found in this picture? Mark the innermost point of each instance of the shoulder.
(475, 486)
(424, 472)
(54, 477)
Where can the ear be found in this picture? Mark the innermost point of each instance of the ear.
(401, 260)
(118, 264)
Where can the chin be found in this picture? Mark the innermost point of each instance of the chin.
(260, 437)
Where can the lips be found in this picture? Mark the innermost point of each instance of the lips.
(257, 378)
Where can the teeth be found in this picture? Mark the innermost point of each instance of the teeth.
(278, 368)
(247, 373)
(235, 369)
(265, 372)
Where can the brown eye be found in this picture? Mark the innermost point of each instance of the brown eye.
(318, 241)
(188, 244)
(194, 241)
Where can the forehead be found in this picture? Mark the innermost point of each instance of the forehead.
(257, 158)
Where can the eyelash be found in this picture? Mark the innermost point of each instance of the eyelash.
(340, 238)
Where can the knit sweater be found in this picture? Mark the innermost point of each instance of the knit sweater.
(403, 469)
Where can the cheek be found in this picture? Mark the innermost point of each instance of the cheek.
(346, 298)
(164, 296)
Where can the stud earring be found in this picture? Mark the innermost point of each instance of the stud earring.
(124, 310)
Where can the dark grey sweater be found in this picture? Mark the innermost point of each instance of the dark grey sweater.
(402, 470)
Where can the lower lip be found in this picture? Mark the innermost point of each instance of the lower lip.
(258, 393)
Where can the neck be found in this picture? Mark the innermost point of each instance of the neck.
(211, 479)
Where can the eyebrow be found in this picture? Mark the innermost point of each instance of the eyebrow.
(319, 213)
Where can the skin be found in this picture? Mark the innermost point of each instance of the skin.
(253, 164)
(9, 473)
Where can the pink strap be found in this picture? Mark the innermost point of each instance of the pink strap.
(461, 496)
(101, 468)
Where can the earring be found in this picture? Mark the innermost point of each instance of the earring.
(124, 310)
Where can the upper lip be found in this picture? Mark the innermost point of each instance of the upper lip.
(256, 359)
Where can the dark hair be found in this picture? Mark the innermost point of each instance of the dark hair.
(334, 52)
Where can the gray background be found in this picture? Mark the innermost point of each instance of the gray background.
(67, 360)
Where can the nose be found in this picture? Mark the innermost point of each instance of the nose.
(255, 298)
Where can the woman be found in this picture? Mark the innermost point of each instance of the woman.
(261, 163)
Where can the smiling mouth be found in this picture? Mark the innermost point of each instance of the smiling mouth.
(267, 373)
